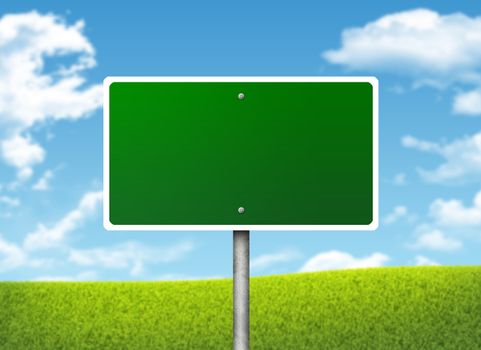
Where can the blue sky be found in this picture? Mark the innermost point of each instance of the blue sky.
(54, 56)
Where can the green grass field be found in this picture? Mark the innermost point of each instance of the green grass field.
(384, 308)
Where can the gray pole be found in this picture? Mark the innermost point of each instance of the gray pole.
(241, 290)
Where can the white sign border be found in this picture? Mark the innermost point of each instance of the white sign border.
(375, 209)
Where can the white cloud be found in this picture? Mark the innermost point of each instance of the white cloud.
(397, 213)
(82, 276)
(421, 260)
(418, 42)
(22, 153)
(29, 95)
(454, 213)
(266, 260)
(340, 260)
(425, 146)
(129, 255)
(462, 158)
(22, 175)
(397, 89)
(468, 103)
(451, 221)
(11, 202)
(44, 238)
(11, 256)
(400, 179)
(435, 239)
(43, 182)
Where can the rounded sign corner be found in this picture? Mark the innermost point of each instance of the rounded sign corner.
(108, 225)
(373, 81)
(108, 81)
(374, 225)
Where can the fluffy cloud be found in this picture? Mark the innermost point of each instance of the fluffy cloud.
(9, 201)
(435, 239)
(11, 255)
(44, 238)
(399, 179)
(397, 213)
(451, 221)
(29, 95)
(43, 182)
(131, 255)
(468, 103)
(462, 158)
(414, 42)
(266, 260)
(425, 146)
(421, 260)
(22, 153)
(340, 260)
(14, 256)
(453, 212)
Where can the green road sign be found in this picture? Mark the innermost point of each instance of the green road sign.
(241, 153)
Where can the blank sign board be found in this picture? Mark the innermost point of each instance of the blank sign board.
(240, 153)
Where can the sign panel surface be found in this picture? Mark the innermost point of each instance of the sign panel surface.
(232, 153)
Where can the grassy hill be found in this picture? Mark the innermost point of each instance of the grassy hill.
(384, 308)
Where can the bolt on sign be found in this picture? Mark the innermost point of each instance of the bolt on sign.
(241, 153)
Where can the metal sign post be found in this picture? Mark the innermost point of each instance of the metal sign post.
(241, 290)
